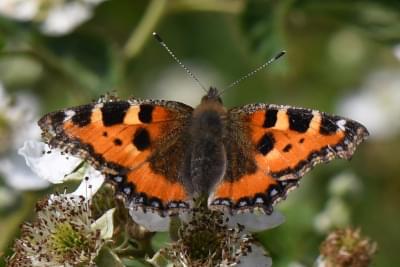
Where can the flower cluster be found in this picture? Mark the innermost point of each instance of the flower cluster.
(206, 240)
(346, 247)
(210, 238)
(63, 234)
(56, 17)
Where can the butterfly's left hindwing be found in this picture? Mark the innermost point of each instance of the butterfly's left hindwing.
(271, 147)
(129, 142)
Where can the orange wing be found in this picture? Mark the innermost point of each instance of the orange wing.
(269, 148)
(124, 140)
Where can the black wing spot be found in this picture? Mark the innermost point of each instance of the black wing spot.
(270, 118)
(58, 117)
(299, 119)
(328, 125)
(353, 128)
(287, 148)
(145, 113)
(141, 139)
(301, 141)
(105, 134)
(266, 143)
(114, 112)
(117, 142)
(82, 115)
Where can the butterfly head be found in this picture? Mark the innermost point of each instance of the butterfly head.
(211, 102)
(212, 96)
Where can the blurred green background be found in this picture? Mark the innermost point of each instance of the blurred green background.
(343, 57)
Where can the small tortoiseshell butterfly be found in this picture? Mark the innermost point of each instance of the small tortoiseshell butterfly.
(161, 154)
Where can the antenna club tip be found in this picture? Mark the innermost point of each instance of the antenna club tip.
(158, 38)
(283, 52)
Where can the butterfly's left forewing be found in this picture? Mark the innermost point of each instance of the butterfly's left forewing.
(130, 142)
(269, 148)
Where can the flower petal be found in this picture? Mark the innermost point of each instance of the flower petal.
(19, 176)
(20, 10)
(63, 19)
(93, 180)
(256, 258)
(152, 221)
(105, 224)
(49, 164)
(255, 222)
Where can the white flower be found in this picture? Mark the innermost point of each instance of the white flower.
(23, 116)
(336, 214)
(152, 221)
(19, 116)
(206, 239)
(93, 180)
(62, 19)
(57, 167)
(19, 176)
(377, 104)
(57, 17)
(256, 258)
(17, 123)
(255, 222)
(64, 234)
(49, 164)
(343, 184)
(23, 10)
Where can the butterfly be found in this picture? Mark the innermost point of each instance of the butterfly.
(162, 154)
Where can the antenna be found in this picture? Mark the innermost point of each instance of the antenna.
(161, 41)
(248, 75)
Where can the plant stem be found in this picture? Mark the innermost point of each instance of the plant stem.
(223, 6)
(139, 35)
